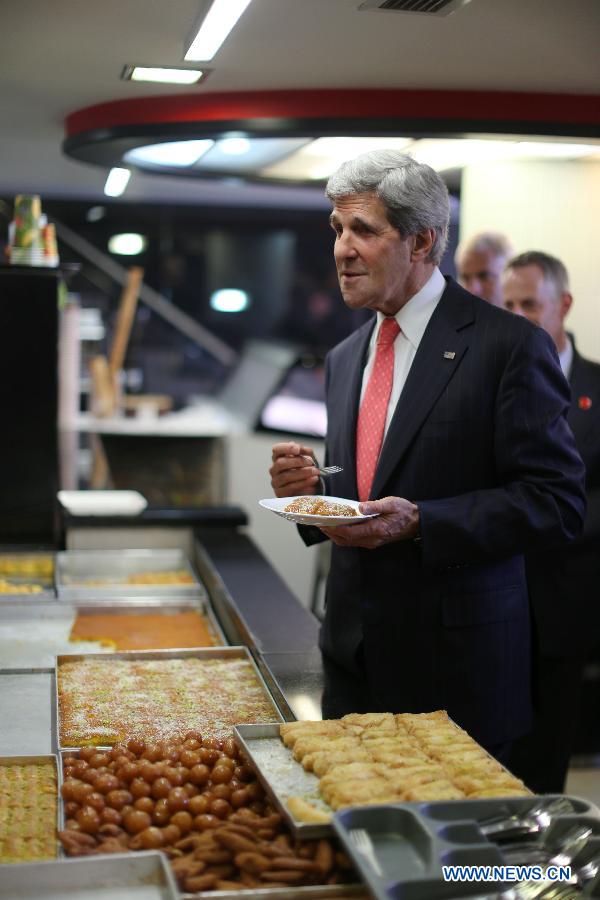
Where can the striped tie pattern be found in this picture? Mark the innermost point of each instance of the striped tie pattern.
(373, 409)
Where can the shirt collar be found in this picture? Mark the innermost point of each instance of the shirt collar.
(414, 316)
(565, 358)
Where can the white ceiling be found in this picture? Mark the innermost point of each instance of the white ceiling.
(57, 56)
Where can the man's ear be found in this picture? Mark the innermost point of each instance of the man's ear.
(566, 301)
(424, 241)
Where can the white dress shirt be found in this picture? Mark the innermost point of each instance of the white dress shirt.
(413, 319)
(566, 358)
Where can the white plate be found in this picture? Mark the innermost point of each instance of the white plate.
(102, 503)
(278, 504)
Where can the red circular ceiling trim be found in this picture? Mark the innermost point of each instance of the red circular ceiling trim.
(339, 104)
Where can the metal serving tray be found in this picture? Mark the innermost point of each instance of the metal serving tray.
(412, 841)
(129, 876)
(132, 606)
(75, 567)
(26, 712)
(45, 582)
(282, 776)
(313, 892)
(28, 761)
(201, 653)
(32, 636)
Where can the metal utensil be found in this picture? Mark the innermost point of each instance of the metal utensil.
(329, 470)
(326, 470)
(364, 845)
(531, 821)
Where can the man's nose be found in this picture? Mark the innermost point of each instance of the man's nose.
(344, 246)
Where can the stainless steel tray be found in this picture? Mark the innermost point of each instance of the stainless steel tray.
(26, 712)
(281, 775)
(13, 569)
(314, 892)
(133, 606)
(202, 653)
(74, 568)
(130, 876)
(17, 760)
(412, 841)
(32, 636)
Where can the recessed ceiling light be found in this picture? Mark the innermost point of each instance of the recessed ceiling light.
(116, 182)
(215, 26)
(229, 300)
(95, 213)
(169, 153)
(127, 244)
(163, 75)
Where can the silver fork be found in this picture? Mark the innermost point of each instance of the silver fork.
(327, 470)
(364, 845)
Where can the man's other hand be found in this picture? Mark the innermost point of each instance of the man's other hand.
(293, 471)
(398, 520)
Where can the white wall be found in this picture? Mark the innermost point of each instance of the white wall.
(552, 206)
(249, 458)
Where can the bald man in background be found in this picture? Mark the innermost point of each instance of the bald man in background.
(563, 584)
(480, 261)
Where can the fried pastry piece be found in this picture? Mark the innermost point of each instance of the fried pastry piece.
(398, 759)
(304, 811)
(499, 792)
(471, 784)
(416, 720)
(305, 745)
(321, 762)
(291, 731)
(362, 793)
(433, 790)
(366, 720)
(349, 772)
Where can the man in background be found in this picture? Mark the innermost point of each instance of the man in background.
(564, 584)
(480, 261)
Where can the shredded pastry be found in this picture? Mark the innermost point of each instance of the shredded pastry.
(317, 506)
(105, 701)
(386, 758)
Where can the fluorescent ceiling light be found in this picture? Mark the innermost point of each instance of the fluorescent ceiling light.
(127, 244)
(323, 156)
(116, 182)
(169, 153)
(229, 300)
(162, 75)
(215, 27)
(553, 150)
(234, 146)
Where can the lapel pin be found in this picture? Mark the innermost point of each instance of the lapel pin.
(449, 354)
(584, 402)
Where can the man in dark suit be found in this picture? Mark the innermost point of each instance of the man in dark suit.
(563, 585)
(427, 602)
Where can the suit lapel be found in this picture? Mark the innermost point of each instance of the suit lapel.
(441, 349)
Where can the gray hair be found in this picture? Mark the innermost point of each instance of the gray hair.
(554, 271)
(493, 242)
(414, 195)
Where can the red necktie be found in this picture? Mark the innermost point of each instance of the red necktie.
(373, 409)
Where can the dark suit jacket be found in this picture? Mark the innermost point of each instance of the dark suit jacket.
(565, 585)
(480, 442)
